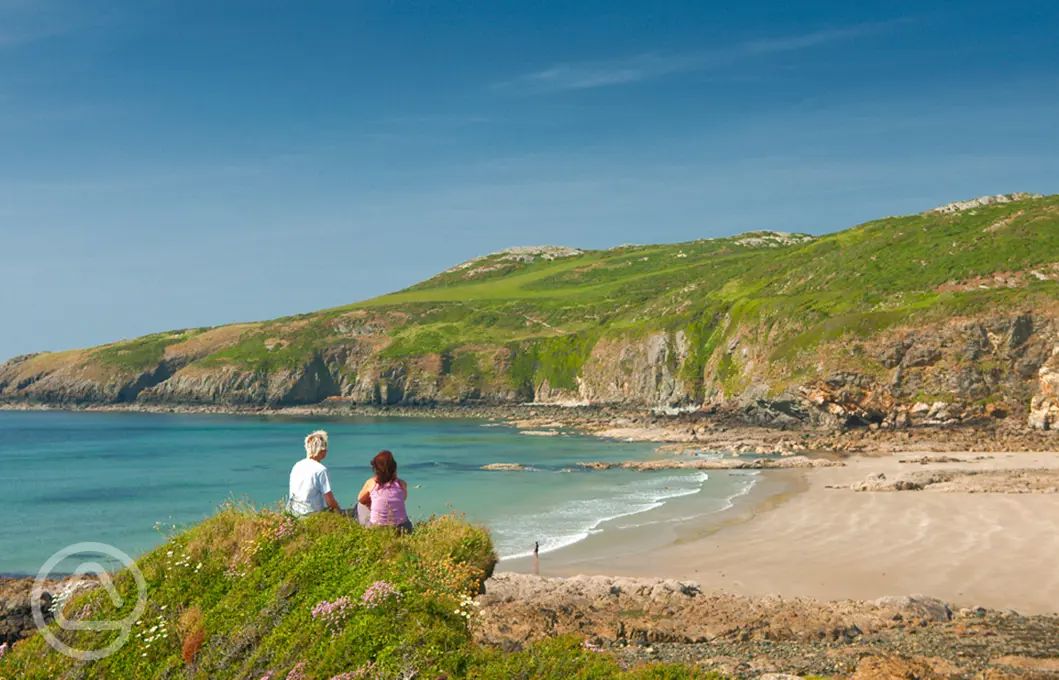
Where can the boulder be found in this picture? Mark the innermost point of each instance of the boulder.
(898, 667)
(929, 608)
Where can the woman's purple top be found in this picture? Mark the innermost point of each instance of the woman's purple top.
(387, 504)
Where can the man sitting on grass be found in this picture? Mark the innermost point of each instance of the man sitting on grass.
(310, 487)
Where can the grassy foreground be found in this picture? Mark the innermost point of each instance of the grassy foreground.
(257, 594)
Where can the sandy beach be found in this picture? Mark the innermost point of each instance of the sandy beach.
(807, 533)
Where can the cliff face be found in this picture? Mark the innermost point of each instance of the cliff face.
(1044, 407)
(953, 371)
(643, 371)
(937, 318)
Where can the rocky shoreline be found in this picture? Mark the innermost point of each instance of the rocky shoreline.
(750, 637)
(724, 431)
(16, 612)
(642, 619)
(788, 463)
(1021, 480)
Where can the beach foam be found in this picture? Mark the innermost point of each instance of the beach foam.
(576, 520)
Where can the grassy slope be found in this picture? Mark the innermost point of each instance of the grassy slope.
(857, 281)
(234, 596)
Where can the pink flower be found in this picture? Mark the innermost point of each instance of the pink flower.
(361, 672)
(3, 650)
(591, 646)
(332, 613)
(298, 672)
(378, 593)
(284, 529)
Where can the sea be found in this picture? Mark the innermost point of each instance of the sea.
(131, 479)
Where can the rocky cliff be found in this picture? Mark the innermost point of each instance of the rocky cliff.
(932, 319)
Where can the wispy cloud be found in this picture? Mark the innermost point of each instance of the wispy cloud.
(586, 75)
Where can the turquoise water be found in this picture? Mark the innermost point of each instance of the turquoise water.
(116, 477)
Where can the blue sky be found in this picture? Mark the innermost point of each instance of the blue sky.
(166, 164)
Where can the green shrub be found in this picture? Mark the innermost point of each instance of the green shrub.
(142, 353)
(235, 597)
(566, 658)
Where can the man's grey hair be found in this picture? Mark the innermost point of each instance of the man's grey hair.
(315, 443)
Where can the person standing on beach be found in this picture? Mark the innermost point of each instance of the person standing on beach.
(310, 485)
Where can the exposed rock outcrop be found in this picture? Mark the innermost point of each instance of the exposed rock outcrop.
(954, 372)
(642, 371)
(967, 481)
(504, 467)
(982, 201)
(517, 255)
(785, 463)
(969, 369)
(16, 608)
(522, 608)
(768, 637)
(1044, 407)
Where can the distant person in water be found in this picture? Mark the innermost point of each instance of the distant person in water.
(385, 494)
(310, 486)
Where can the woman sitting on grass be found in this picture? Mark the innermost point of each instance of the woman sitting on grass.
(310, 486)
(385, 494)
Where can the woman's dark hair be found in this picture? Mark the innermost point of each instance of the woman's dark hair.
(385, 467)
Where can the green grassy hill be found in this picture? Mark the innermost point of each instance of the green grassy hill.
(256, 594)
(751, 318)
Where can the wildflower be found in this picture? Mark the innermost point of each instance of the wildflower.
(467, 607)
(284, 529)
(361, 672)
(3, 650)
(298, 672)
(378, 593)
(332, 613)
